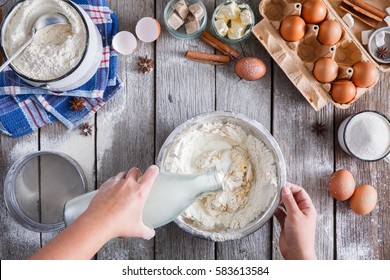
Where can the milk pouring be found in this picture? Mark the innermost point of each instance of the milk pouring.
(170, 195)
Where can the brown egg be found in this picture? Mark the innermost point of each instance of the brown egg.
(342, 184)
(365, 74)
(326, 70)
(343, 91)
(314, 11)
(250, 68)
(363, 200)
(330, 32)
(293, 28)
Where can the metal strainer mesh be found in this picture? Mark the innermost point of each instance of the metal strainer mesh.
(38, 186)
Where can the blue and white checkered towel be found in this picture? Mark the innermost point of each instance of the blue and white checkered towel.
(23, 109)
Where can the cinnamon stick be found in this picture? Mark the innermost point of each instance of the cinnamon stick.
(209, 39)
(358, 10)
(367, 19)
(209, 58)
(369, 8)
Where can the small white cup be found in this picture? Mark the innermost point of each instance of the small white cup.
(342, 137)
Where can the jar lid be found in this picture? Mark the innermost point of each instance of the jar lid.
(37, 187)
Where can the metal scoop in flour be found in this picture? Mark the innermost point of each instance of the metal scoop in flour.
(42, 22)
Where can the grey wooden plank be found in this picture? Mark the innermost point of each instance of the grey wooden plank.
(365, 237)
(309, 159)
(185, 89)
(16, 242)
(125, 126)
(253, 99)
(56, 137)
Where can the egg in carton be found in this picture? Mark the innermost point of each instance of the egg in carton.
(298, 58)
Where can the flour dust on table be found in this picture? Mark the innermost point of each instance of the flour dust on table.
(72, 144)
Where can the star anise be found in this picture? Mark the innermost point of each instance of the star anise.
(77, 104)
(145, 64)
(85, 129)
(319, 128)
(382, 52)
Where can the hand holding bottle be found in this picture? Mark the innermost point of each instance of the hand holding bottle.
(297, 237)
(115, 211)
(119, 203)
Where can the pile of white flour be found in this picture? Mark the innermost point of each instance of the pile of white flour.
(250, 174)
(55, 50)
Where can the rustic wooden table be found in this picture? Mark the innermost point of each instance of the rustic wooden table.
(130, 130)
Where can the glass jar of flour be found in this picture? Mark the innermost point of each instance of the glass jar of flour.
(366, 136)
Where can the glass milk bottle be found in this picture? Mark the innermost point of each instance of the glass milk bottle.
(170, 195)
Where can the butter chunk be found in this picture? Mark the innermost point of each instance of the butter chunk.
(197, 11)
(246, 17)
(181, 8)
(220, 15)
(192, 26)
(175, 21)
(237, 23)
(231, 11)
(236, 32)
(221, 27)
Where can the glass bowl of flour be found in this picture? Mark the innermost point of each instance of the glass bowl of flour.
(253, 171)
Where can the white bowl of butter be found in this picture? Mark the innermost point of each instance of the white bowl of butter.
(252, 164)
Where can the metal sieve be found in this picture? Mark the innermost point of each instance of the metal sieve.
(37, 187)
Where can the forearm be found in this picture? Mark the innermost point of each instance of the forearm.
(115, 211)
(81, 240)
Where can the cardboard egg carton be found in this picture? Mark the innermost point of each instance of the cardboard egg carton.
(297, 58)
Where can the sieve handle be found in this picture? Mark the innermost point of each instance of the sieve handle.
(387, 159)
(15, 55)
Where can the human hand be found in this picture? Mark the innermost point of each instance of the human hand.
(119, 203)
(297, 237)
